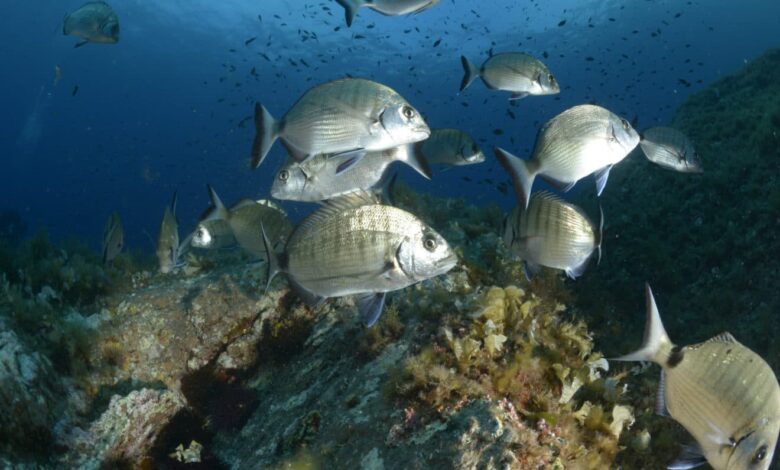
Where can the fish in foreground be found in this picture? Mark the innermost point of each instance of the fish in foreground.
(213, 234)
(355, 246)
(385, 7)
(113, 238)
(316, 179)
(245, 219)
(346, 116)
(552, 233)
(449, 147)
(723, 393)
(168, 239)
(516, 72)
(671, 149)
(94, 22)
(582, 140)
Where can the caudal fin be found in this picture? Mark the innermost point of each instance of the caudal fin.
(267, 131)
(412, 156)
(522, 176)
(350, 9)
(656, 345)
(272, 262)
(470, 72)
(601, 234)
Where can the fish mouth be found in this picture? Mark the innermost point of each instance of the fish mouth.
(447, 263)
(478, 157)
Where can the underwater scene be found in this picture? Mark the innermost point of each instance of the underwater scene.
(390, 234)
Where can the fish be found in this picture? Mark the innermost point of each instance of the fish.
(356, 246)
(516, 72)
(245, 219)
(582, 140)
(94, 22)
(317, 180)
(670, 149)
(168, 239)
(725, 395)
(213, 234)
(349, 115)
(449, 147)
(113, 238)
(554, 233)
(385, 7)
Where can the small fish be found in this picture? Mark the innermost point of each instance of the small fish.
(385, 7)
(94, 22)
(721, 392)
(354, 246)
(250, 40)
(552, 233)
(213, 234)
(316, 179)
(671, 149)
(113, 238)
(349, 115)
(450, 147)
(582, 140)
(168, 239)
(57, 74)
(519, 73)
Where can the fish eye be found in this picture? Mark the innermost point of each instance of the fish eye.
(284, 175)
(429, 242)
(408, 112)
(550, 78)
(760, 454)
(626, 125)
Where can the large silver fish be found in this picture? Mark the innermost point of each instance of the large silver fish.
(671, 149)
(450, 147)
(723, 393)
(316, 178)
(113, 238)
(516, 72)
(552, 233)
(354, 246)
(347, 116)
(93, 22)
(582, 140)
(168, 239)
(385, 7)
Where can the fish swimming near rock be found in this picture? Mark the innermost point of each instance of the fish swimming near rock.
(516, 72)
(347, 116)
(168, 239)
(554, 233)
(94, 22)
(213, 234)
(721, 392)
(451, 147)
(582, 140)
(316, 179)
(385, 7)
(355, 246)
(113, 238)
(670, 149)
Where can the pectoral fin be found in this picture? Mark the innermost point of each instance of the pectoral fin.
(370, 307)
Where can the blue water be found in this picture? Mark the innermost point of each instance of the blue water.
(160, 110)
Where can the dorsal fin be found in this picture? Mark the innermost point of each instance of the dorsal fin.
(724, 337)
(340, 204)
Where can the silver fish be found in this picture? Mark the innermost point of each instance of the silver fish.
(354, 246)
(213, 234)
(113, 238)
(450, 147)
(582, 140)
(671, 149)
(723, 393)
(316, 178)
(347, 116)
(94, 22)
(517, 72)
(168, 239)
(552, 233)
(385, 7)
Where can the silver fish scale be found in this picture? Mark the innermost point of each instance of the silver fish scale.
(512, 71)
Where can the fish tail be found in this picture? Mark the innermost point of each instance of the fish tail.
(350, 9)
(267, 129)
(470, 72)
(656, 346)
(522, 172)
(411, 154)
(600, 234)
(220, 212)
(272, 262)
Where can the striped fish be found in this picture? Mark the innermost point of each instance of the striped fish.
(582, 140)
(450, 147)
(552, 233)
(723, 393)
(168, 239)
(385, 7)
(354, 246)
(113, 238)
(671, 149)
(517, 72)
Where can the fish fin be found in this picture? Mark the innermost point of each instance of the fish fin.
(656, 343)
(294, 153)
(272, 261)
(174, 201)
(576, 271)
(350, 9)
(353, 158)
(339, 204)
(522, 176)
(600, 234)
(559, 185)
(470, 72)
(267, 131)
(220, 211)
(385, 189)
(601, 178)
(530, 270)
(660, 397)
(691, 456)
(411, 154)
(518, 96)
(370, 307)
(724, 337)
(308, 297)
(423, 8)
(79, 44)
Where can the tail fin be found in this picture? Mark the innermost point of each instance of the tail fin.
(350, 9)
(267, 131)
(219, 212)
(656, 345)
(522, 175)
(272, 263)
(173, 203)
(601, 233)
(470, 72)
(412, 156)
